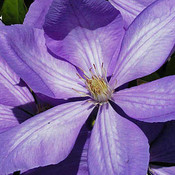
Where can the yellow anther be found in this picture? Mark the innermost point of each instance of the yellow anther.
(98, 88)
(96, 84)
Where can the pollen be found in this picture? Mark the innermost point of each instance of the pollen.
(98, 88)
(97, 85)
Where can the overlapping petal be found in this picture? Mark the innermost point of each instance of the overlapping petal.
(163, 148)
(150, 102)
(11, 92)
(130, 9)
(151, 130)
(114, 146)
(158, 170)
(83, 47)
(147, 42)
(45, 139)
(63, 16)
(1, 24)
(74, 164)
(37, 12)
(11, 117)
(24, 50)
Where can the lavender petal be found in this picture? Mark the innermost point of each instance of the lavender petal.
(150, 102)
(117, 146)
(147, 42)
(24, 50)
(44, 139)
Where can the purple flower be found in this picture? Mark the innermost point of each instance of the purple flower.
(90, 35)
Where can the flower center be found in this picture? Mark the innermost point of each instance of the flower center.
(98, 88)
(97, 85)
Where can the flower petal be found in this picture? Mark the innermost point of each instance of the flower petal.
(150, 102)
(37, 12)
(63, 16)
(11, 117)
(147, 42)
(157, 170)
(151, 130)
(163, 148)
(117, 146)
(85, 48)
(25, 52)
(75, 163)
(1, 23)
(49, 136)
(11, 93)
(130, 9)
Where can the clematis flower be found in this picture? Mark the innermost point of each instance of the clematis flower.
(89, 35)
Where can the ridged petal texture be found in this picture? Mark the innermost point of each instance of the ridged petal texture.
(24, 50)
(85, 48)
(37, 12)
(63, 16)
(12, 93)
(130, 9)
(11, 117)
(158, 170)
(74, 164)
(117, 146)
(149, 102)
(44, 139)
(85, 33)
(147, 42)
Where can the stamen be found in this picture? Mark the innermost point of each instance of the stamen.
(104, 73)
(84, 72)
(82, 93)
(81, 70)
(96, 84)
(90, 70)
(86, 77)
(94, 102)
(79, 76)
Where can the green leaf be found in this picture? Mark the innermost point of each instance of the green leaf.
(1, 3)
(13, 11)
